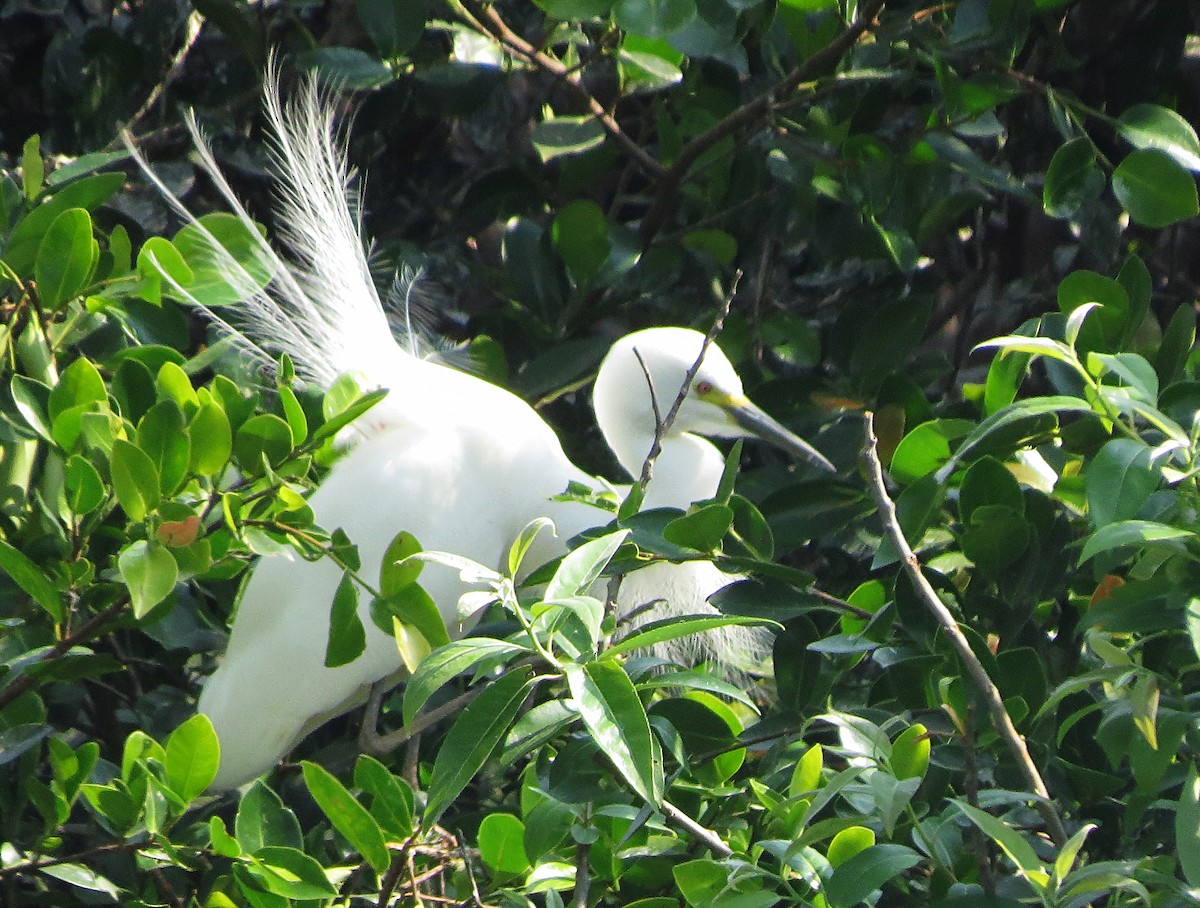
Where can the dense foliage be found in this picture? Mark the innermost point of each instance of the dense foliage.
(973, 220)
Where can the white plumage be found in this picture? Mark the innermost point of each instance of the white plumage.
(461, 464)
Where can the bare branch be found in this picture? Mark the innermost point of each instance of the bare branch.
(925, 591)
(663, 426)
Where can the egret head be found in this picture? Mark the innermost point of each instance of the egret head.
(715, 405)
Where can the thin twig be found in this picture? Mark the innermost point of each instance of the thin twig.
(583, 880)
(663, 426)
(707, 836)
(488, 20)
(27, 681)
(192, 32)
(991, 694)
(749, 113)
(378, 745)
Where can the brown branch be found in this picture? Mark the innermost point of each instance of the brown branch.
(707, 836)
(999, 714)
(27, 681)
(750, 113)
(488, 20)
(663, 426)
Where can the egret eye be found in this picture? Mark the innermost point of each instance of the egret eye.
(704, 388)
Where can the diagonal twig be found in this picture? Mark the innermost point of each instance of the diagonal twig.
(749, 113)
(1000, 718)
(663, 426)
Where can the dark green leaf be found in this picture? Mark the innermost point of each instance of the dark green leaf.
(291, 873)
(66, 258)
(502, 843)
(1072, 179)
(347, 636)
(867, 871)
(263, 820)
(448, 661)
(348, 816)
(610, 708)
(1154, 189)
(135, 479)
(161, 435)
(30, 578)
(1153, 126)
(473, 738)
(150, 573)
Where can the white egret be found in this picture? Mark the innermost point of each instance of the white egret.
(461, 464)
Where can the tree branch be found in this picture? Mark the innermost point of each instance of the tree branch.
(750, 113)
(991, 694)
(27, 681)
(487, 20)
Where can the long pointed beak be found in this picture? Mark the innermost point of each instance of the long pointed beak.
(758, 423)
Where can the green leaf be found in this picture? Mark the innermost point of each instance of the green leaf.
(66, 258)
(1019, 851)
(134, 479)
(988, 482)
(867, 871)
(291, 873)
(566, 10)
(262, 819)
(996, 538)
(926, 448)
(222, 842)
(448, 661)
(1154, 189)
(161, 434)
(193, 754)
(581, 567)
(654, 18)
(211, 439)
(910, 752)
(502, 843)
(150, 573)
(520, 547)
(392, 799)
(702, 529)
(30, 578)
(1187, 827)
(223, 259)
(614, 716)
(1131, 532)
(673, 628)
(412, 608)
(394, 28)
(348, 816)
(566, 136)
(157, 261)
(347, 636)
(262, 436)
(79, 385)
(85, 488)
(343, 412)
(396, 570)
(473, 738)
(1153, 126)
(88, 193)
(1072, 179)
(33, 169)
(846, 844)
(580, 236)
(32, 399)
(1120, 479)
